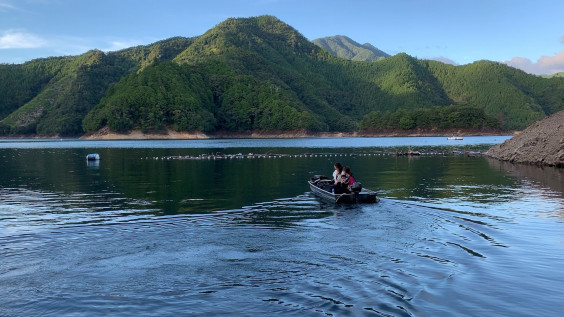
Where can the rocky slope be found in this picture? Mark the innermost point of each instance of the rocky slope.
(542, 143)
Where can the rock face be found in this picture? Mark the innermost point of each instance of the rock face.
(542, 143)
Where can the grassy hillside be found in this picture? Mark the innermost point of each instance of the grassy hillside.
(261, 74)
(20, 83)
(52, 96)
(516, 98)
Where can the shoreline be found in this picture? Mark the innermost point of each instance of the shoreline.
(106, 134)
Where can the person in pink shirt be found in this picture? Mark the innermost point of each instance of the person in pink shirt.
(348, 179)
(344, 185)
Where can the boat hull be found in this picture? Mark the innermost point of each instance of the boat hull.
(364, 197)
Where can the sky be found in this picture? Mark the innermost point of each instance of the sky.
(524, 34)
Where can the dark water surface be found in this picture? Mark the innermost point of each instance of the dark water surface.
(143, 234)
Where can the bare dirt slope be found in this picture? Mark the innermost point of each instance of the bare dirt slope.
(542, 143)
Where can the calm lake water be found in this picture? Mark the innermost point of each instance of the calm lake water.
(148, 232)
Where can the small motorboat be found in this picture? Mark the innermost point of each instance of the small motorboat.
(455, 137)
(321, 186)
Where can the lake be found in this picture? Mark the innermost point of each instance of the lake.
(164, 228)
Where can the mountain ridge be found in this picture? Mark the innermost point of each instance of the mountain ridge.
(260, 74)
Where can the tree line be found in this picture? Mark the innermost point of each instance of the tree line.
(454, 116)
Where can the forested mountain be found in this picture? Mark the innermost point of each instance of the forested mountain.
(53, 95)
(342, 46)
(261, 74)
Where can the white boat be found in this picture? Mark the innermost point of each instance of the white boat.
(455, 137)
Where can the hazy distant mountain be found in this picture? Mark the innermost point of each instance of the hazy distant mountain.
(344, 47)
(561, 74)
(260, 74)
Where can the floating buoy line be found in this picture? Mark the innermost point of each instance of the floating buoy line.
(221, 156)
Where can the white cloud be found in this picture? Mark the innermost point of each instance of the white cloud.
(16, 39)
(544, 65)
(119, 45)
(5, 7)
(37, 46)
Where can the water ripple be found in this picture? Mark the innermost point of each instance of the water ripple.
(293, 256)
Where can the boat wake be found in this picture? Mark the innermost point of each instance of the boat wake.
(294, 255)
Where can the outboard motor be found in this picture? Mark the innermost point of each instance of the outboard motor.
(356, 187)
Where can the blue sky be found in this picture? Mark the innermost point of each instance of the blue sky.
(525, 34)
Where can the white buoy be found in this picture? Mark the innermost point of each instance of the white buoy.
(93, 157)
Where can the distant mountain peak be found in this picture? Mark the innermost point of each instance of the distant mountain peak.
(249, 35)
(344, 47)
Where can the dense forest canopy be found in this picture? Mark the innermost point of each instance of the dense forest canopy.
(261, 74)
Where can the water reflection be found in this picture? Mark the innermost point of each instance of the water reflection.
(550, 177)
(541, 188)
(451, 236)
(93, 164)
(203, 186)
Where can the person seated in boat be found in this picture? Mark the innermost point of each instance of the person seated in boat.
(347, 180)
(349, 176)
(337, 173)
